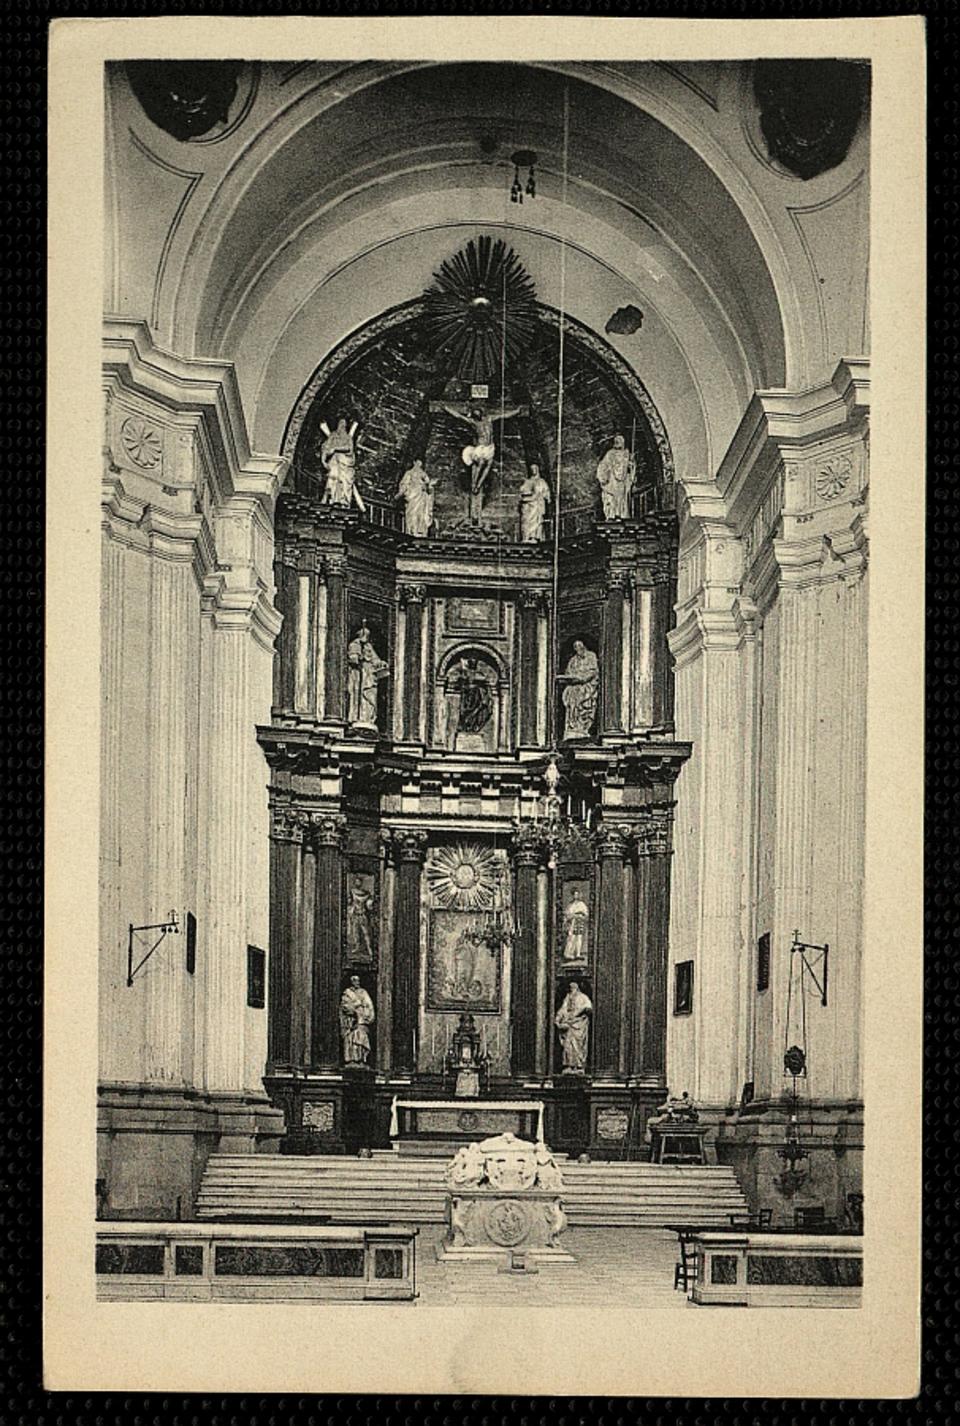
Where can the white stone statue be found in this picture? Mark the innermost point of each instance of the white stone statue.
(478, 456)
(339, 460)
(416, 490)
(581, 680)
(467, 1169)
(576, 920)
(534, 498)
(573, 1022)
(365, 669)
(356, 1014)
(615, 476)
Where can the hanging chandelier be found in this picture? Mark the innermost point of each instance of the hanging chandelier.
(523, 158)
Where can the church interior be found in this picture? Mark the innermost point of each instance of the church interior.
(483, 626)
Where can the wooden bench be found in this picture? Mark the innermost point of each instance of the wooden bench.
(255, 1262)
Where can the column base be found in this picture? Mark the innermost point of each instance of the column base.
(153, 1142)
(831, 1133)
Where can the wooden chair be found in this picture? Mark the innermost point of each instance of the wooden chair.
(761, 1219)
(685, 1271)
(812, 1216)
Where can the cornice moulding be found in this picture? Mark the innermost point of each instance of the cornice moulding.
(197, 385)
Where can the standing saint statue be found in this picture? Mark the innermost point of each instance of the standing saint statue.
(356, 1015)
(581, 680)
(573, 1022)
(365, 668)
(359, 939)
(615, 476)
(416, 490)
(534, 498)
(478, 456)
(339, 460)
(575, 922)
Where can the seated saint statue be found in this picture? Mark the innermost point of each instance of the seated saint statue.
(416, 490)
(469, 684)
(581, 680)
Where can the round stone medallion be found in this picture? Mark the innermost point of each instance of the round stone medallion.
(467, 1120)
(507, 1223)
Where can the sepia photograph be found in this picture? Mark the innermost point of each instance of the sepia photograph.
(483, 657)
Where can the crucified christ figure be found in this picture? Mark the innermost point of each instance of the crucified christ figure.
(478, 456)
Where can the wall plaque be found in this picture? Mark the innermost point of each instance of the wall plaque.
(612, 1123)
(319, 1115)
(469, 616)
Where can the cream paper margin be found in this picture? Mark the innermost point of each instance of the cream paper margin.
(873, 1352)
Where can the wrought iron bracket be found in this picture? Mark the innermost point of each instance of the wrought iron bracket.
(819, 963)
(164, 927)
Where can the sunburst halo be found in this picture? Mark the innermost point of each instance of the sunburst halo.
(463, 877)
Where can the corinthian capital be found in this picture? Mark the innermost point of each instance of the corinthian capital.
(528, 843)
(612, 839)
(653, 834)
(409, 845)
(287, 824)
(327, 829)
(411, 593)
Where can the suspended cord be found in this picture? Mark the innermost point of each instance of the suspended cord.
(555, 611)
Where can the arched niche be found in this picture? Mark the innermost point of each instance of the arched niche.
(457, 681)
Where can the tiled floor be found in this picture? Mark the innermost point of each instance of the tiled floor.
(615, 1267)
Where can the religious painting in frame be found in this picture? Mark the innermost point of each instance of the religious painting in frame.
(464, 972)
(574, 921)
(360, 915)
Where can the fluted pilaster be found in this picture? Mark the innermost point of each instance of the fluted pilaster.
(524, 1005)
(612, 849)
(412, 597)
(327, 834)
(173, 617)
(336, 650)
(409, 848)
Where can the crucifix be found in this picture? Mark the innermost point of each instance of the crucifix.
(480, 455)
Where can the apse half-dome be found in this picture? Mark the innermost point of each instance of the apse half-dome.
(479, 330)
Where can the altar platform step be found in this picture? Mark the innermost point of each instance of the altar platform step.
(404, 1190)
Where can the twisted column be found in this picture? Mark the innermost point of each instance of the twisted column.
(327, 831)
(409, 849)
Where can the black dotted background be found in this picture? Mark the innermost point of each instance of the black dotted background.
(23, 1401)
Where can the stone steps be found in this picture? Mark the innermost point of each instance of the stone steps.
(414, 1191)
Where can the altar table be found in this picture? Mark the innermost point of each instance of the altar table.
(419, 1125)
